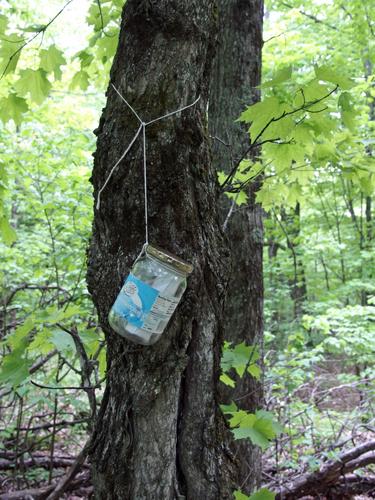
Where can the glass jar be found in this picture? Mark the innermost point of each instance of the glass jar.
(149, 296)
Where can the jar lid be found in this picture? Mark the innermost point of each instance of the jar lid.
(169, 259)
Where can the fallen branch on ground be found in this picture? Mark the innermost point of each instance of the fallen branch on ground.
(43, 462)
(66, 481)
(44, 491)
(334, 473)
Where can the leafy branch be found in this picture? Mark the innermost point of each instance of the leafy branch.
(305, 106)
(40, 31)
(102, 21)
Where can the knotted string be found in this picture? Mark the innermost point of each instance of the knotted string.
(142, 127)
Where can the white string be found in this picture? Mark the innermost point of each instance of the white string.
(174, 112)
(116, 164)
(126, 102)
(142, 127)
(145, 181)
(234, 201)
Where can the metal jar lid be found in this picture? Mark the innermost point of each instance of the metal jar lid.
(169, 259)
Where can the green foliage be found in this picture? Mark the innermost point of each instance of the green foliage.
(51, 60)
(49, 191)
(35, 83)
(298, 127)
(241, 358)
(27, 80)
(328, 74)
(262, 494)
(13, 107)
(259, 427)
(319, 254)
(7, 232)
(310, 121)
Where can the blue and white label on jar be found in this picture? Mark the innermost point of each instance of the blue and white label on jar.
(135, 301)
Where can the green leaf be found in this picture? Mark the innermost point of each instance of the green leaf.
(271, 417)
(85, 58)
(256, 436)
(345, 101)
(102, 359)
(12, 108)
(327, 74)
(15, 369)
(106, 47)
(81, 80)
(35, 28)
(254, 370)
(312, 91)
(8, 234)
(3, 23)
(51, 59)
(91, 341)
(35, 83)
(259, 427)
(241, 197)
(280, 76)
(53, 314)
(232, 408)
(258, 433)
(349, 120)
(238, 357)
(227, 380)
(266, 196)
(18, 338)
(9, 54)
(262, 114)
(41, 343)
(98, 18)
(263, 494)
(238, 495)
(62, 341)
(325, 150)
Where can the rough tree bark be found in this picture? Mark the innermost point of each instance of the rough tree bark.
(234, 80)
(160, 433)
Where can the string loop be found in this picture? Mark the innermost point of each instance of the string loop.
(142, 127)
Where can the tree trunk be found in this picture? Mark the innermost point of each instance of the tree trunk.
(160, 433)
(292, 230)
(233, 87)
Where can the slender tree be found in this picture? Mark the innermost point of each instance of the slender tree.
(160, 433)
(290, 225)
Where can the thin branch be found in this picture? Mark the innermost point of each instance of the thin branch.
(87, 367)
(255, 144)
(102, 20)
(312, 17)
(27, 42)
(64, 483)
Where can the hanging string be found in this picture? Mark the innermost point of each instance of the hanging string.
(116, 165)
(145, 181)
(142, 127)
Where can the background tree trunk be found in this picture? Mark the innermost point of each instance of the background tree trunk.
(291, 226)
(234, 79)
(160, 433)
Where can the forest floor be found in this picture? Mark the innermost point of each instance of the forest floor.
(305, 448)
(330, 418)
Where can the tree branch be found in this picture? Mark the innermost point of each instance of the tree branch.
(42, 30)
